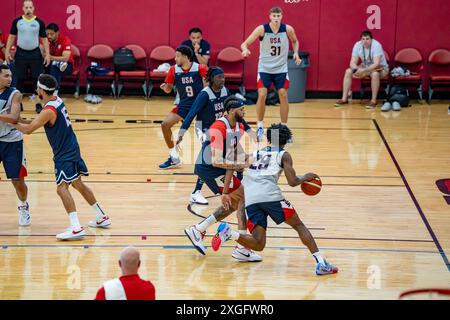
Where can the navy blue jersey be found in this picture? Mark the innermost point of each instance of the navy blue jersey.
(205, 48)
(61, 137)
(208, 108)
(189, 83)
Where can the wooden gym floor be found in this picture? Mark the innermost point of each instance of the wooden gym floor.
(380, 217)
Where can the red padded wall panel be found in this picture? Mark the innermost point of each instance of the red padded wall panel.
(303, 16)
(222, 22)
(123, 22)
(7, 16)
(341, 24)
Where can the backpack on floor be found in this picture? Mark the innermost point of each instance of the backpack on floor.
(399, 94)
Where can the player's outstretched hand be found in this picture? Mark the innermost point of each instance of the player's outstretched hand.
(165, 87)
(226, 201)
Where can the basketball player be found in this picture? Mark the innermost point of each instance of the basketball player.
(12, 151)
(215, 166)
(187, 77)
(69, 166)
(263, 197)
(208, 107)
(272, 67)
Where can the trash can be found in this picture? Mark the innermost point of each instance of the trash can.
(297, 77)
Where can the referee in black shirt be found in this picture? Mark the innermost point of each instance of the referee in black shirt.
(28, 29)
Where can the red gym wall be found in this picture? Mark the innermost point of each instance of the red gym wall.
(326, 28)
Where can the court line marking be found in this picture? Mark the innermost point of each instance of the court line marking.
(183, 236)
(182, 247)
(190, 182)
(411, 194)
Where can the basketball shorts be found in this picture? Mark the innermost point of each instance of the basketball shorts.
(69, 171)
(279, 211)
(279, 80)
(182, 112)
(12, 155)
(215, 182)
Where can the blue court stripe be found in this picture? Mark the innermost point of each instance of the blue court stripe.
(184, 247)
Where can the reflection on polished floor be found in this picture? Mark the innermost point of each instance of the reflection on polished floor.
(379, 172)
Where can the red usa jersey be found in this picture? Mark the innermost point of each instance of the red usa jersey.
(62, 44)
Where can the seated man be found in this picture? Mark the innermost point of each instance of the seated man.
(3, 41)
(374, 64)
(200, 47)
(60, 53)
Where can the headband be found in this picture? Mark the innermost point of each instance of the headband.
(234, 104)
(44, 87)
(216, 72)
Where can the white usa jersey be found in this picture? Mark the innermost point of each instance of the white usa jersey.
(261, 181)
(273, 50)
(7, 132)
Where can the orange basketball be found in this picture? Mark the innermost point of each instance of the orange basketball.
(311, 187)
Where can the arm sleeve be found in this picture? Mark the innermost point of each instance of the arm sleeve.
(170, 77)
(42, 32)
(100, 294)
(13, 30)
(203, 69)
(198, 105)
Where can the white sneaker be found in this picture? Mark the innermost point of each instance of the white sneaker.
(198, 198)
(104, 222)
(196, 238)
(24, 215)
(243, 254)
(71, 234)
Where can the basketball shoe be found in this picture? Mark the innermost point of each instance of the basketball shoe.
(196, 238)
(171, 163)
(241, 253)
(24, 215)
(223, 234)
(323, 269)
(71, 234)
(198, 198)
(104, 222)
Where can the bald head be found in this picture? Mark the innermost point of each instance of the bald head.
(129, 261)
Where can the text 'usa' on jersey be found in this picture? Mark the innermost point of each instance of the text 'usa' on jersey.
(188, 83)
(273, 50)
(61, 136)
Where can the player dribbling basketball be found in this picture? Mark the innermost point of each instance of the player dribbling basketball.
(263, 198)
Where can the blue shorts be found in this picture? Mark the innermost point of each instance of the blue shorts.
(279, 211)
(182, 112)
(215, 177)
(12, 154)
(69, 171)
(279, 80)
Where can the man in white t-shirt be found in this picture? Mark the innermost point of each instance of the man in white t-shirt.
(373, 64)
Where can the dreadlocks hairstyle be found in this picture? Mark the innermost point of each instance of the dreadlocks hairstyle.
(281, 131)
(231, 101)
(212, 73)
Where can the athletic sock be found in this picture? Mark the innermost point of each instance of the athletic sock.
(74, 222)
(260, 124)
(198, 185)
(318, 256)
(99, 214)
(284, 124)
(21, 203)
(234, 235)
(205, 224)
(173, 153)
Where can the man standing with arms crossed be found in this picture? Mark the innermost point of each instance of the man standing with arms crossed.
(272, 67)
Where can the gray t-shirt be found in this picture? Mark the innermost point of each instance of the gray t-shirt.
(368, 54)
(28, 32)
